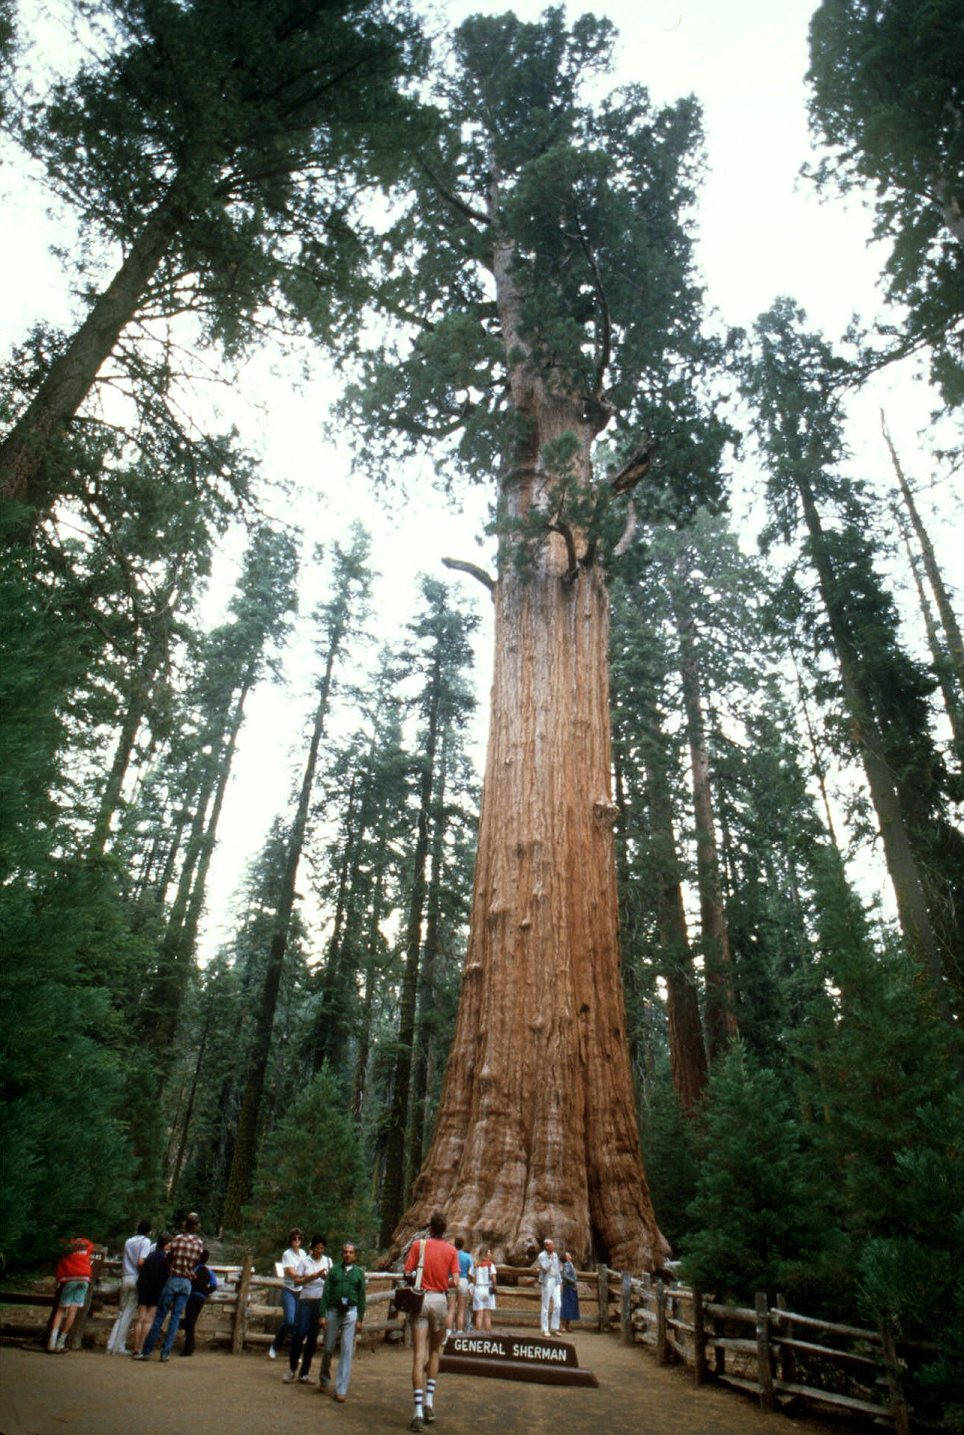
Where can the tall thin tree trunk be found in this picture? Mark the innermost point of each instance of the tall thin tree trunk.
(23, 453)
(721, 1025)
(393, 1190)
(939, 657)
(952, 631)
(686, 1046)
(245, 1145)
(363, 1047)
(425, 1033)
(912, 906)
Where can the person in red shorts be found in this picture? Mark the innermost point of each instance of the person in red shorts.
(440, 1278)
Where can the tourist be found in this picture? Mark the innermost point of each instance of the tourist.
(151, 1280)
(342, 1312)
(462, 1320)
(550, 1278)
(183, 1254)
(314, 1269)
(570, 1293)
(439, 1262)
(74, 1275)
(483, 1291)
(203, 1282)
(136, 1250)
(290, 1270)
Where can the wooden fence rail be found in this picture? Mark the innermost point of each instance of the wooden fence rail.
(245, 1310)
(781, 1356)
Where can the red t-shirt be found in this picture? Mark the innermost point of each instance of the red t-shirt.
(441, 1261)
(75, 1265)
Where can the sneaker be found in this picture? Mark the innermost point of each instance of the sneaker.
(304, 1379)
(415, 1423)
(288, 1377)
(341, 1399)
(138, 1355)
(272, 1353)
(429, 1416)
(165, 1357)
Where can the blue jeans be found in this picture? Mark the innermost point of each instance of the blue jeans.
(174, 1299)
(289, 1317)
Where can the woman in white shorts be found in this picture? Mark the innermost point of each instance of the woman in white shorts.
(483, 1292)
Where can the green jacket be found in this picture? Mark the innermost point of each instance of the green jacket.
(344, 1283)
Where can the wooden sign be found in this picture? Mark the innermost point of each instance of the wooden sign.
(514, 1357)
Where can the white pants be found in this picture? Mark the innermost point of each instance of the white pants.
(117, 1340)
(343, 1323)
(551, 1297)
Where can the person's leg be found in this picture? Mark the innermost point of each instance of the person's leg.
(343, 1377)
(436, 1340)
(160, 1314)
(191, 1312)
(419, 1361)
(127, 1305)
(313, 1318)
(554, 1307)
(544, 1315)
(181, 1295)
(331, 1336)
(145, 1315)
(289, 1320)
(297, 1341)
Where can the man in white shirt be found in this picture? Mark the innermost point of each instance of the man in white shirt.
(550, 1278)
(135, 1249)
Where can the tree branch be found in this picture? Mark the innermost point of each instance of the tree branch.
(473, 569)
(452, 199)
(563, 528)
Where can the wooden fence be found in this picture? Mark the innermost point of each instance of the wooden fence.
(245, 1310)
(780, 1355)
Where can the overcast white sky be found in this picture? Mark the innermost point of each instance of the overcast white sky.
(763, 232)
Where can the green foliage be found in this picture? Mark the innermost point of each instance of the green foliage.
(755, 1220)
(669, 1143)
(312, 1174)
(887, 99)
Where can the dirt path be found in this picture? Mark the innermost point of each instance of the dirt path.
(217, 1394)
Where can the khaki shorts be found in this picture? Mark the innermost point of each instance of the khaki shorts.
(434, 1312)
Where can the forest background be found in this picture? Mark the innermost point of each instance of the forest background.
(228, 667)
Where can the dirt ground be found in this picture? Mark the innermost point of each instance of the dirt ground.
(214, 1393)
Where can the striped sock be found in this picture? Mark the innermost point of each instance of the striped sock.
(418, 1404)
(429, 1394)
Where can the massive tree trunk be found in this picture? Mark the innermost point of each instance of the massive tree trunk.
(536, 1133)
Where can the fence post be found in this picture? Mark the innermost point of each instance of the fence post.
(662, 1349)
(626, 1308)
(898, 1400)
(602, 1283)
(241, 1309)
(699, 1339)
(764, 1372)
(788, 1362)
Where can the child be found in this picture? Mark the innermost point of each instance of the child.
(74, 1274)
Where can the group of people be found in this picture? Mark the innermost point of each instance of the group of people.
(169, 1280)
(317, 1295)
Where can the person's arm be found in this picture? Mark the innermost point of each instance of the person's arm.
(362, 1294)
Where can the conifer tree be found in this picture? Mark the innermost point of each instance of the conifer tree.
(545, 281)
(225, 182)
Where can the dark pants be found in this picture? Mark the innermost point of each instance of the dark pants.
(195, 1304)
(305, 1338)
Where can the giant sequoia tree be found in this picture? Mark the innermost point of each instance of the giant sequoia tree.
(544, 285)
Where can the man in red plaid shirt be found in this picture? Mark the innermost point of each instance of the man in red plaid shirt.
(183, 1254)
